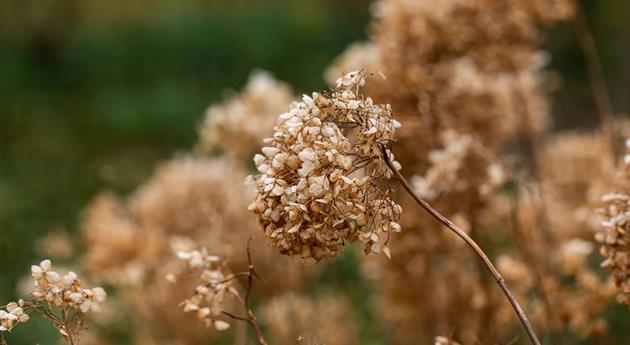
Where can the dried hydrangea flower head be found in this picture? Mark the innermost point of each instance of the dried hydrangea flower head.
(322, 178)
(614, 234)
(236, 125)
(60, 299)
(208, 299)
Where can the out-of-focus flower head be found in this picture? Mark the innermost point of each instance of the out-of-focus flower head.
(463, 168)
(236, 126)
(576, 168)
(327, 318)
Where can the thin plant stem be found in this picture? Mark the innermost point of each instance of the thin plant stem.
(594, 69)
(250, 318)
(250, 285)
(472, 244)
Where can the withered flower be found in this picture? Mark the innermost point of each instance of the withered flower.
(322, 178)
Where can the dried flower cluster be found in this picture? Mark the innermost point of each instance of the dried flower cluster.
(64, 291)
(60, 299)
(322, 174)
(463, 166)
(208, 299)
(614, 233)
(13, 314)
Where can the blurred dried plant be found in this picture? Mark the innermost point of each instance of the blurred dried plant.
(466, 80)
(296, 318)
(236, 126)
(188, 202)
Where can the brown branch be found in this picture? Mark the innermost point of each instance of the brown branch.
(251, 317)
(470, 242)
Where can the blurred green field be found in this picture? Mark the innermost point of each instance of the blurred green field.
(92, 95)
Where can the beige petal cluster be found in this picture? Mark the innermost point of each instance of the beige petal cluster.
(208, 299)
(64, 291)
(323, 179)
(462, 166)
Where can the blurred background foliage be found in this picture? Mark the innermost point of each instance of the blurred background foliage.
(94, 93)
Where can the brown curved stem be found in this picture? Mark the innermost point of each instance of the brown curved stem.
(471, 243)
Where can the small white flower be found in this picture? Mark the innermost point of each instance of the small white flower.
(221, 325)
(184, 255)
(46, 265)
(69, 278)
(36, 272)
(99, 294)
(52, 277)
(269, 152)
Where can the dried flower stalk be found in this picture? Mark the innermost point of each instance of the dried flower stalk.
(464, 236)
